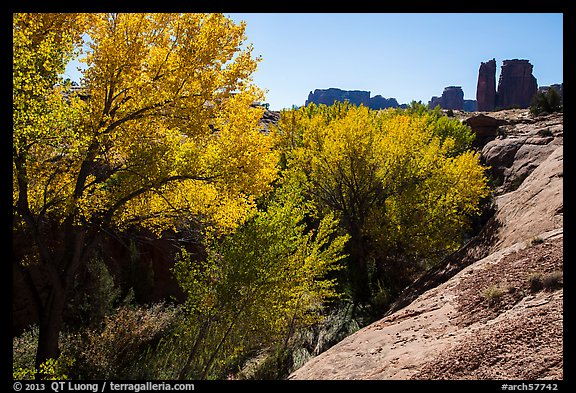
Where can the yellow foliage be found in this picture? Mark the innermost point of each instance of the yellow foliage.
(395, 176)
(167, 131)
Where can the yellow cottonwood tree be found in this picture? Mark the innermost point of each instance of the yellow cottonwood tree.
(164, 134)
(402, 182)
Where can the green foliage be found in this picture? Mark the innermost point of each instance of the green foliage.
(50, 370)
(546, 102)
(257, 285)
(493, 294)
(24, 351)
(95, 294)
(166, 135)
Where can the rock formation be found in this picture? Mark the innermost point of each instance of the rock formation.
(486, 88)
(269, 118)
(559, 87)
(379, 102)
(481, 315)
(516, 86)
(356, 97)
(452, 98)
(485, 127)
(470, 106)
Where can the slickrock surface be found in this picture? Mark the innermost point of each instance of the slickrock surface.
(500, 317)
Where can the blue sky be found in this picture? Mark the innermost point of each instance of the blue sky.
(405, 56)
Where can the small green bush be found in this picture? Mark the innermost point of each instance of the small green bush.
(493, 294)
(546, 103)
(24, 352)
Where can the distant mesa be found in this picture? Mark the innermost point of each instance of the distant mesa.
(355, 97)
(453, 98)
(516, 85)
(559, 87)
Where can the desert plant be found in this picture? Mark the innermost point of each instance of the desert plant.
(535, 282)
(493, 294)
(536, 240)
(552, 280)
(546, 102)
(545, 132)
(116, 350)
(24, 351)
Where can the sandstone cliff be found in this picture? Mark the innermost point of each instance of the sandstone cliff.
(486, 88)
(356, 97)
(452, 98)
(495, 310)
(516, 85)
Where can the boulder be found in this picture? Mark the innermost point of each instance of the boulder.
(499, 155)
(521, 148)
(536, 206)
(485, 127)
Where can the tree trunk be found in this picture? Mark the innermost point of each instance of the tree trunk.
(358, 266)
(60, 277)
(50, 327)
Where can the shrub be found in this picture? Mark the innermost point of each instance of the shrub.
(116, 351)
(549, 281)
(552, 280)
(95, 294)
(493, 294)
(545, 132)
(536, 240)
(535, 282)
(24, 352)
(546, 102)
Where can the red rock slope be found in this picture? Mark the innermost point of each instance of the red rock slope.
(500, 317)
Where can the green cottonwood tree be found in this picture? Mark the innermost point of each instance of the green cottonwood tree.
(258, 285)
